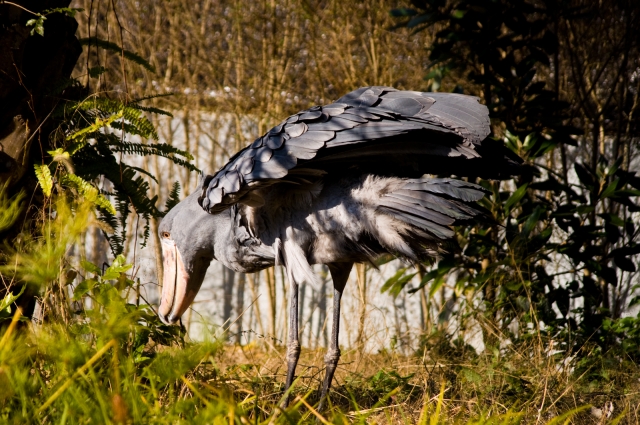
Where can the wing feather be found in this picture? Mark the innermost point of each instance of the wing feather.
(377, 124)
(432, 205)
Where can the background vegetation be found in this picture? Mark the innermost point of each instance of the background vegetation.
(553, 288)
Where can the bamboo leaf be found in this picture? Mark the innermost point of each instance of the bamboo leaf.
(392, 280)
(437, 284)
(610, 189)
(515, 198)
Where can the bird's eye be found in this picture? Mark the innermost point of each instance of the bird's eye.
(166, 235)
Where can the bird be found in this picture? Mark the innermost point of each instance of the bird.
(340, 184)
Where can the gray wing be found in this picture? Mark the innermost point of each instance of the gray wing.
(372, 129)
(434, 205)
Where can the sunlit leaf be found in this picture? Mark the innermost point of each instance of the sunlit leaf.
(90, 267)
(117, 267)
(10, 298)
(43, 174)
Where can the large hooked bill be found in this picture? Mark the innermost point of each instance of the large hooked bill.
(177, 293)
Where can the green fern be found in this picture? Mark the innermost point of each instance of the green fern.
(87, 145)
(43, 174)
(99, 124)
(146, 232)
(109, 45)
(132, 113)
(131, 195)
(95, 153)
(160, 149)
(116, 242)
(87, 190)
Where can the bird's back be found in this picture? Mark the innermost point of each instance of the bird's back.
(357, 218)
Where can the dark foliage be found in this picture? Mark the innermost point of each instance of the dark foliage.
(568, 250)
(79, 141)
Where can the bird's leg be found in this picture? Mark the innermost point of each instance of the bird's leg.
(339, 275)
(293, 344)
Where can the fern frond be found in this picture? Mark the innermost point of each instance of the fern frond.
(132, 113)
(86, 120)
(96, 126)
(43, 174)
(108, 45)
(153, 110)
(133, 189)
(127, 128)
(174, 196)
(143, 171)
(87, 190)
(116, 242)
(161, 149)
(146, 232)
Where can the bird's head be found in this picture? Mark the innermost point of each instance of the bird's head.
(187, 235)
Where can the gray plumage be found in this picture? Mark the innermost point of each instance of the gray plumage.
(336, 185)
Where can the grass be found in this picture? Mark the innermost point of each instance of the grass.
(98, 357)
(48, 374)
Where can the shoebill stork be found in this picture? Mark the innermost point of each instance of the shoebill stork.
(336, 185)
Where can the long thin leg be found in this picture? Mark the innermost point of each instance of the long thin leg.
(293, 344)
(339, 275)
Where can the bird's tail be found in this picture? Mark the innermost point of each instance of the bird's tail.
(427, 208)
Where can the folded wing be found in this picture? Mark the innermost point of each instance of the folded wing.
(377, 130)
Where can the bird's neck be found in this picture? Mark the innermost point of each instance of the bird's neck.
(236, 248)
(223, 246)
